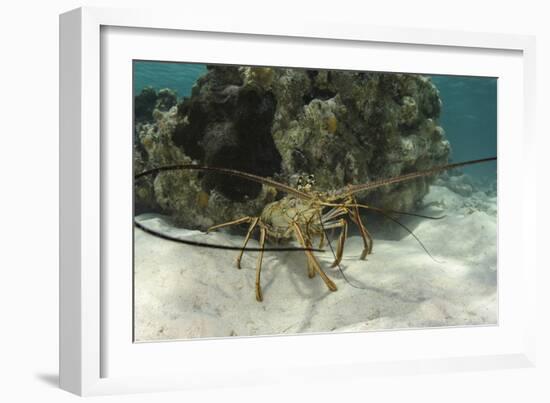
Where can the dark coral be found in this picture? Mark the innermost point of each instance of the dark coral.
(229, 126)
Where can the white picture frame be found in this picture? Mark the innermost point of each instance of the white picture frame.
(85, 347)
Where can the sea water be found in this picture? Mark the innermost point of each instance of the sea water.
(469, 117)
(179, 77)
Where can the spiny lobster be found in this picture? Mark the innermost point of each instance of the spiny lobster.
(302, 215)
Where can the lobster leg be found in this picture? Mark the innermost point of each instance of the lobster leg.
(229, 223)
(331, 215)
(322, 240)
(310, 265)
(316, 266)
(248, 234)
(365, 235)
(341, 240)
(334, 213)
(259, 296)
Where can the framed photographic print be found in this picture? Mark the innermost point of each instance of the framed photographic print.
(232, 200)
(333, 139)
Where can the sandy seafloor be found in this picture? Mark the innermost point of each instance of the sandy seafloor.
(183, 291)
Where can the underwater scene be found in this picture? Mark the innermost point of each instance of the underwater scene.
(274, 200)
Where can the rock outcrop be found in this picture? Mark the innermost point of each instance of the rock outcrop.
(343, 127)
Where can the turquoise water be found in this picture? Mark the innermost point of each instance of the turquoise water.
(469, 117)
(469, 112)
(179, 77)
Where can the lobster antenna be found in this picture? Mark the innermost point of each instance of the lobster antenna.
(415, 214)
(214, 246)
(402, 178)
(386, 214)
(255, 178)
(389, 217)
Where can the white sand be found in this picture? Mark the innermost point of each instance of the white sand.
(184, 291)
